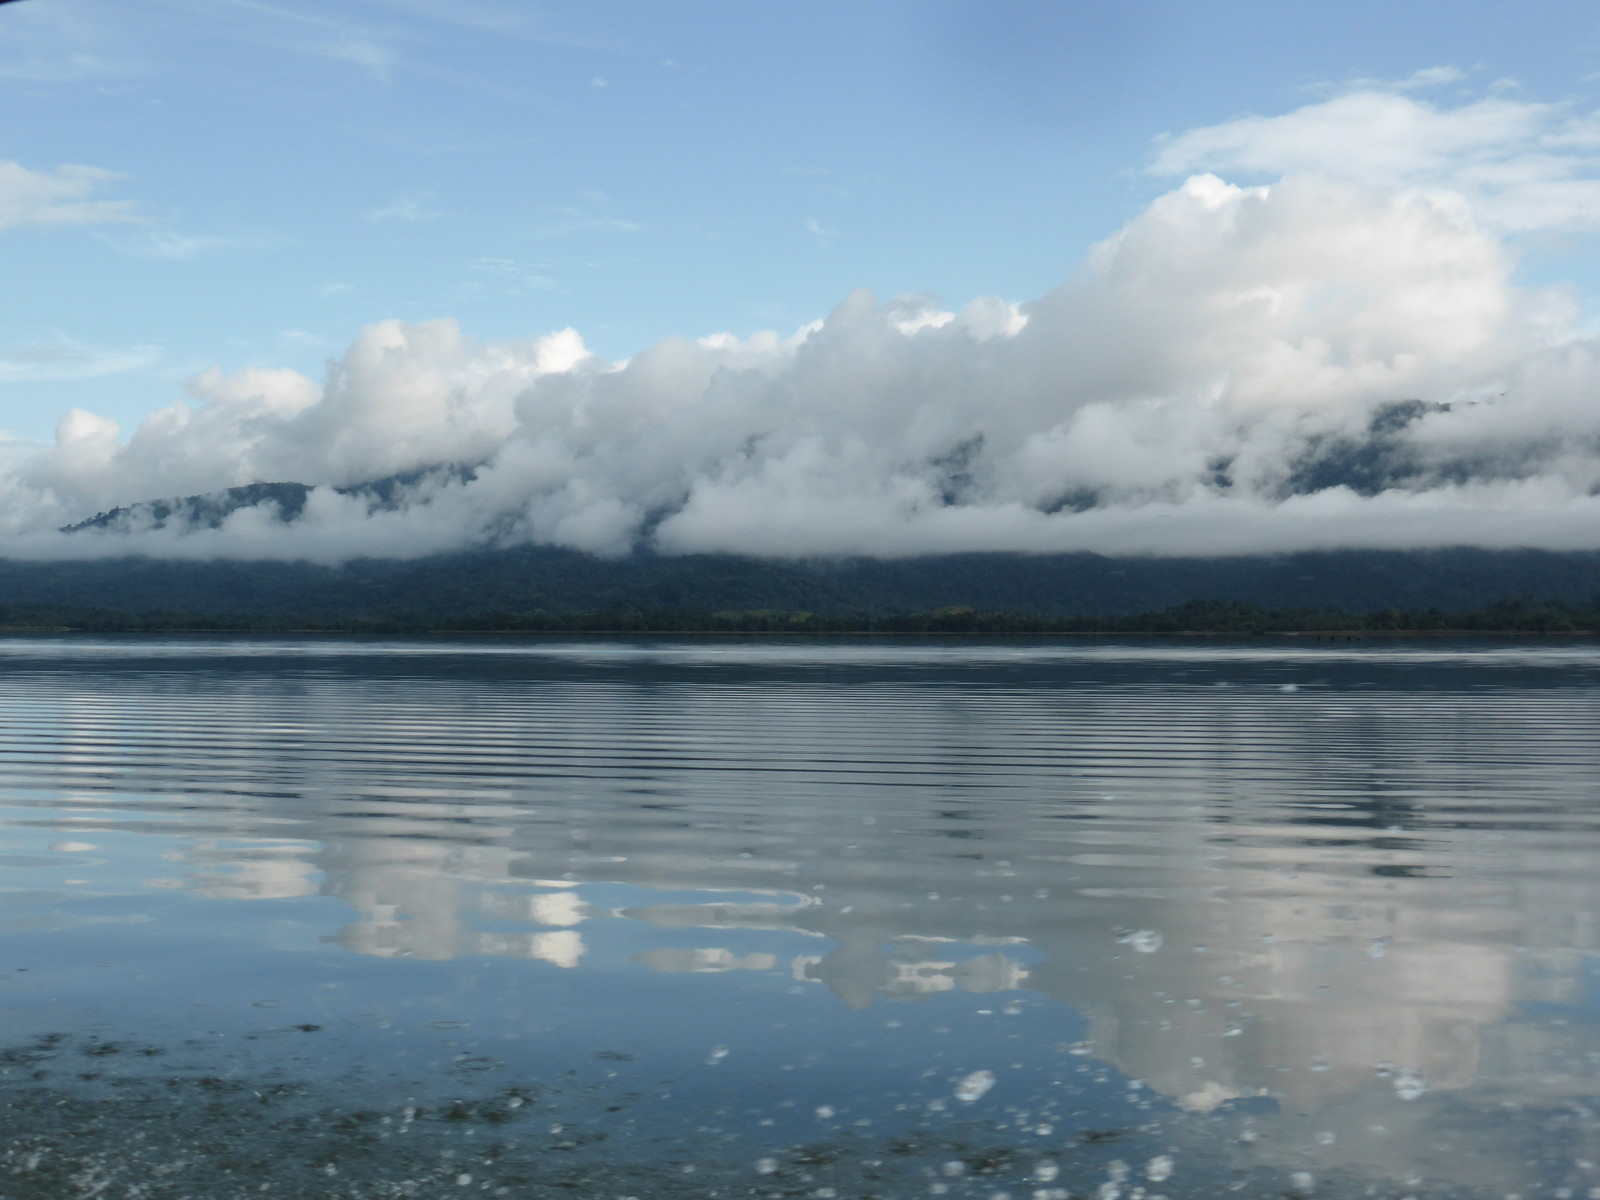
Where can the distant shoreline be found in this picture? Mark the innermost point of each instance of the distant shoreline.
(1199, 619)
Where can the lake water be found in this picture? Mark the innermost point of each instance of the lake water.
(799, 919)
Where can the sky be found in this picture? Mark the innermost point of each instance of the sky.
(869, 277)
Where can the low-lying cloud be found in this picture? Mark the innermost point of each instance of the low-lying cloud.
(1339, 357)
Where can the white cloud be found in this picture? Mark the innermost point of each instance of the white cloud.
(565, 221)
(1432, 77)
(169, 245)
(362, 51)
(513, 19)
(409, 206)
(1220, 375)
(289, 27)
(59, 197)
(51, 43)
(1427, 79)
(821, 234)
(516, 278)
(1524, 165)
(62, 358)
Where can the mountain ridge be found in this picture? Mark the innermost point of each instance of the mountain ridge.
(208, 510)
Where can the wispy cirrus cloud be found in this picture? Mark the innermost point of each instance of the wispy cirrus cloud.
(56, 43)
(537, 24)
(62, 358)
(564, 221)
(493, 275)
(63, 196)
(171, 246)
(836, 185)
(302, 29)
(517, 277)
(412, 207)
(821, 234)
(1426, 79)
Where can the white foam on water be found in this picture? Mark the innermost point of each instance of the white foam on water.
(974, 1086)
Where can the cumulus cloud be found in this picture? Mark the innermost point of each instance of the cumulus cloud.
(1339, 356)
(59, 197)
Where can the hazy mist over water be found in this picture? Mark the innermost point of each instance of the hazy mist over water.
(766, 918)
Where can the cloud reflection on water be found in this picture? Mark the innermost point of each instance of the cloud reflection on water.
(1378, 885)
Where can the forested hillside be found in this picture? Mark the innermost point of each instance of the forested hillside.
(527, 580)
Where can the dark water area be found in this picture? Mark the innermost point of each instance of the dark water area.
(743, 918)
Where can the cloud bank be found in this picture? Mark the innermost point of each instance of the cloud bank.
(1339, 356)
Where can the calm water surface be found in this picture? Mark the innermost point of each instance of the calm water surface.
(1030, 919)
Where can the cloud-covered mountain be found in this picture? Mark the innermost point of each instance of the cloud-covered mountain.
(285, 501)
(1344, 358)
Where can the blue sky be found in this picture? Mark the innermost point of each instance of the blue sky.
(1063, 275)
(290, 171)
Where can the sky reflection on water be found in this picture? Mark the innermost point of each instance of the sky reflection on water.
(1326, 910)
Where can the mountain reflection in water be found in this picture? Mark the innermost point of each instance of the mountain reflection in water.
(1361, 883)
